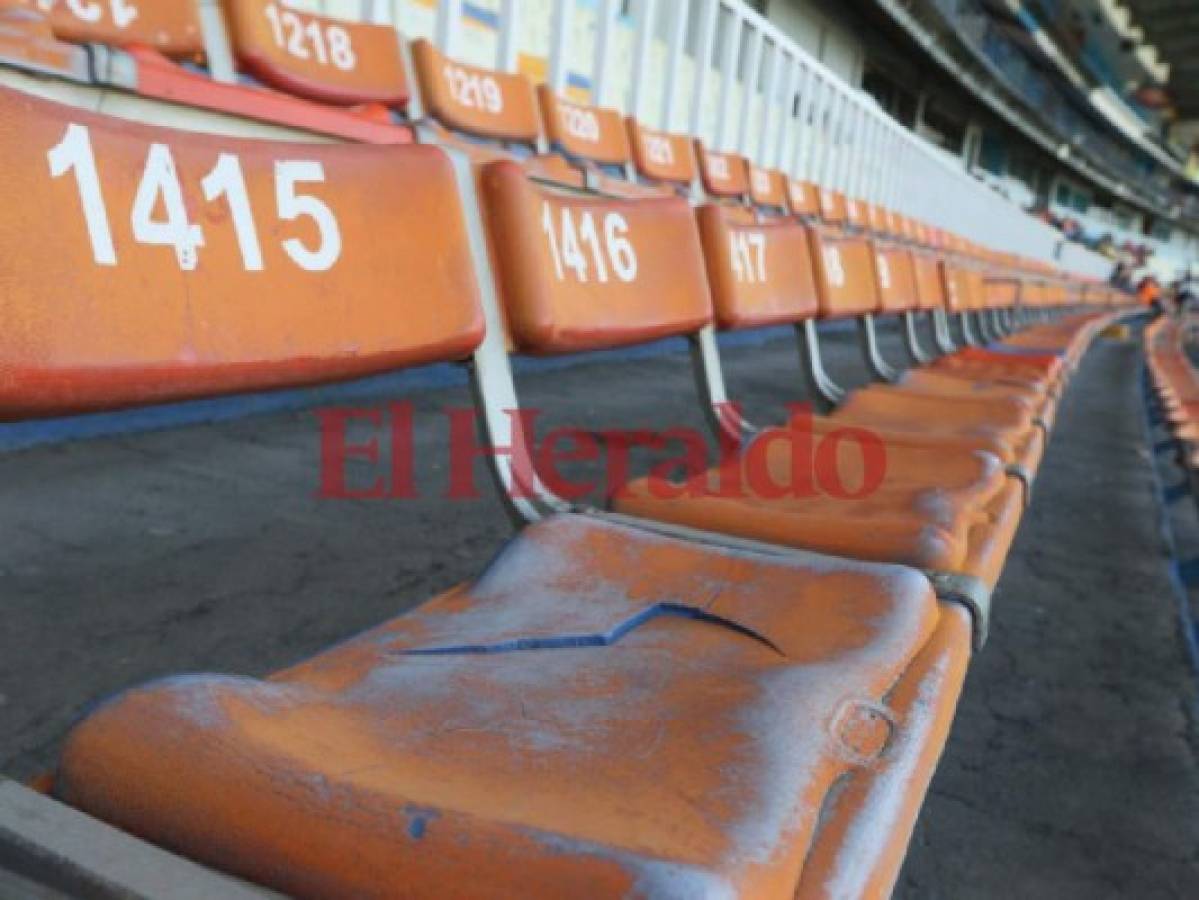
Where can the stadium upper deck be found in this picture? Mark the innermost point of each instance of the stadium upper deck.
(737, 678)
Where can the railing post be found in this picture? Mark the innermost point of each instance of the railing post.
(560, 45)
(605, 28)
(749, 89)
(674, 63)
(787, 114)
(646, 13)
(730, 52)
(703, 61)
(507, 49)
(448, 26)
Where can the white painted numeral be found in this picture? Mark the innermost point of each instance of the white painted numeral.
(834, 269)
(884, 271)
(620, 248)
(226, 180)
(614, 252)
(159, 214)
(74, 153)
(293, 205)
(718, 167)
(475, 91)
(748, 249)
(328, 42)
(659, 150)
(582, 123)
(160, 183)
(123, 12)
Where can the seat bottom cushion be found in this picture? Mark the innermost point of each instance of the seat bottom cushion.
(606, 711)
(919, 506)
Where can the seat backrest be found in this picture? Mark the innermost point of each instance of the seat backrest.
(723, 175)
(760, 273)
(958, 286)
(172, 27)
(315, 57)
(586, 133)
(832, 207)
(878, 221)
(846, 280)
(856, 214)
(145, 264)
(482, 103)
(803, 199)
(659, 156)
(27, 41)
(895, 276)
(579, 273)
(767, 188)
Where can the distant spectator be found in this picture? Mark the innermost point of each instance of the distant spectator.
(1149, 293)
(1121, 277)
(1184, 295)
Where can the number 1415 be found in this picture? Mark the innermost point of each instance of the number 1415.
(160, 184)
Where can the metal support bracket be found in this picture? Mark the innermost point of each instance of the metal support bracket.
(911, 340)
(880, 369)
(970, 592)
(824, 390)
(1015, 470)
(941, 336)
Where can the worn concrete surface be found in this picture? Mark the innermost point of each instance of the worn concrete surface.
(1071, 771)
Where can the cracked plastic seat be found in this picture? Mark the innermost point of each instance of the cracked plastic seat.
(604, 711)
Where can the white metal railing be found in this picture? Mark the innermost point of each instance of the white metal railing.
(721, 72)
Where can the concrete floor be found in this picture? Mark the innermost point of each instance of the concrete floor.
(1071, 770)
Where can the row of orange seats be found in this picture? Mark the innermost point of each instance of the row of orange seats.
(726, 684)
(1175, 382)
(361, 81)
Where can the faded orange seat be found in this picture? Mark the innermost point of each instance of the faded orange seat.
(737, 714)
(487, 115)
(345, 63)
(170, 27)
(594, 140)
(27, 41)
(267, 320)
(662, 158)
(922, 510)
(723, 176)
(768, 190)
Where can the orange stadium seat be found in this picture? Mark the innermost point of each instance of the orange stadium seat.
(596, 141)
(724, 176)
(661, 158)
(487, 115)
